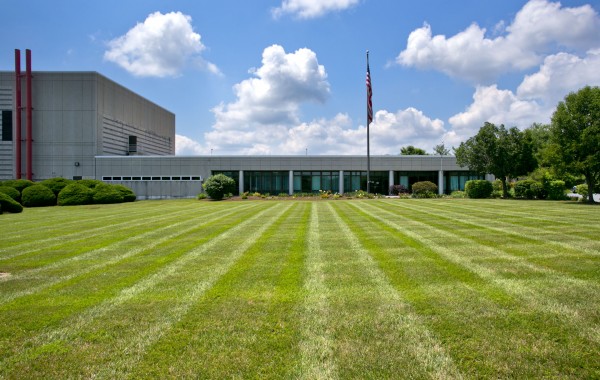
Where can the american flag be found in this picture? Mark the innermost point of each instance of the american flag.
(369, 96)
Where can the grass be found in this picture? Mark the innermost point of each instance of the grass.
(448, 288)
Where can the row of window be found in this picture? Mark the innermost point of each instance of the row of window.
(162, 178)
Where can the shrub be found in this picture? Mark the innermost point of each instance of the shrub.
(7, 204)
(202, 196)
(582, 189)
(90, 183)
(458, 194)
(11, 192)
(556, 190)
(218, 185)
(127, 193)
(37, 196)
(398, 189)
(528, 189)
(424, 189)
(479, 188)
(18, 184)
(75, 194)
(105, 194)
(55, 184)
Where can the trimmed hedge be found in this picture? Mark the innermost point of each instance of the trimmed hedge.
(556, 190)
(528, 189)
(479, 189)
(7, 204)
(91, 183)
(218, 185)
(37, 196)
(127, 193)
(56, 184)
(106, 194)
(75, 194)
(11, 192)
(18, 184)
(424, 189)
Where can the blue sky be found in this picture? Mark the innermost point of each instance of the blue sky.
(287, 76)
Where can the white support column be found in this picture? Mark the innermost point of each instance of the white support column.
(241, 182)
(341, 182)
(441, 182)
(291, 183)
(391, 179)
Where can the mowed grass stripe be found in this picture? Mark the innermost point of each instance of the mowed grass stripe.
(533, 232)
(423, 346)
(489, 332)
(246, 325)
(43, 344)
(126, 248)
(316, 347)
(467, 253)
(84, 231)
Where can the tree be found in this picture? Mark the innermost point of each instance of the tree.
(575, 136)
(218, 185)
(501, 152)
(441, 150)
(412, 151)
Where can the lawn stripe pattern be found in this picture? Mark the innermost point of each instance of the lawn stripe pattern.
(323, 289)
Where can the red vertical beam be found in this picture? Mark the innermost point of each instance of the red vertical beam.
(28, 115)
(18, 108)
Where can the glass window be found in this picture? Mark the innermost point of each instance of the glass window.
(7, 127)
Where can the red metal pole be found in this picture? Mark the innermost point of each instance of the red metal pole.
(18, 113)
(28, 116)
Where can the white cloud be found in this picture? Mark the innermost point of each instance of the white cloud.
(306, 9)
(538, 27)
(160, 46)
(184, 146)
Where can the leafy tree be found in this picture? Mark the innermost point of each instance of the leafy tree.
(441, 150)
(218, 185)
(575, 136)
(501, 152)
(412, 151)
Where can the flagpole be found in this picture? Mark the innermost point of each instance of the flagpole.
(369, 116)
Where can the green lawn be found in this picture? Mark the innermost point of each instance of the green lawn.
(342, 289)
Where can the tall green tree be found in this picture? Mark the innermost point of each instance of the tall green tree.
(494, 149)
(575, 136)
(412, 151)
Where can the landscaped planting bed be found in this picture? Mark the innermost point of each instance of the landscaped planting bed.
(398, 288)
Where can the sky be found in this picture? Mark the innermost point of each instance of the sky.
(287, 77)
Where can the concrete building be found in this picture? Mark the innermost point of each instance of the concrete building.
(81, 125)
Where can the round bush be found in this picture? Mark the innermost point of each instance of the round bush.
(37, 196)
(398, 189)
(105, 194)
(528, 189)
(18, 184)
(424, 189)
(9, 205)
(218, 185)
(556, 190)
(11, 192)
(75, 194)
(91, 183)
(55, 184)
(127, 193)
(479, 189)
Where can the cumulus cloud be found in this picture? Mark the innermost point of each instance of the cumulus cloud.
(160, 46)
(537, 28)
(306, 9)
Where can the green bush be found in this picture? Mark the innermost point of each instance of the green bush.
(582, 189)
(424, 189)
(480, 188)
(556, 190)
(218, 185)
(55, 184)
(11, 192)
(458, 194)
(91, 183)
(105, 193)
(127, 193)
(528, 189)
(75, 194)
(7, 204)
(202, 196)
(18, 184)
(37, 196)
